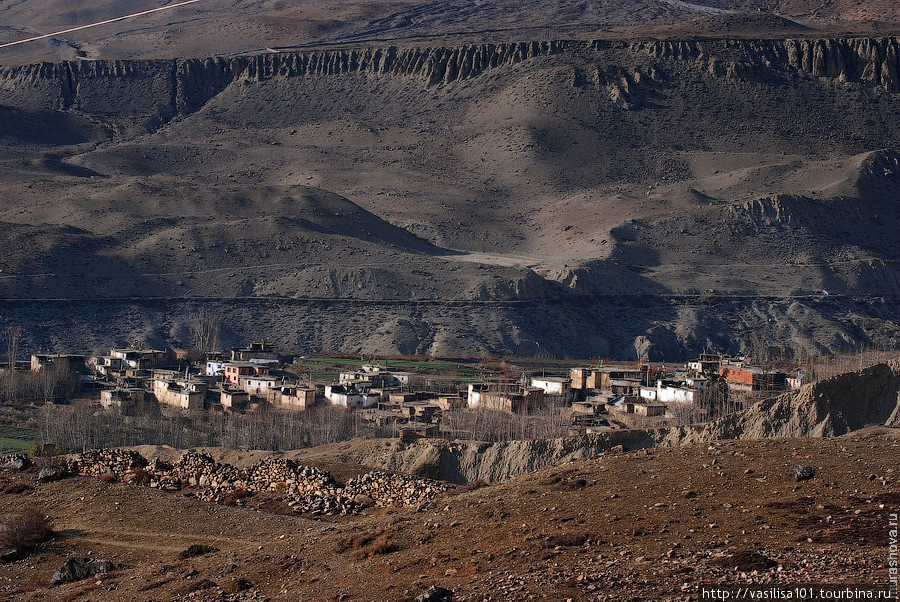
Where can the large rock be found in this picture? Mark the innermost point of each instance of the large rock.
(10, 554)
(78, 568)
(51, 473)
(436, 594)
(16, 462)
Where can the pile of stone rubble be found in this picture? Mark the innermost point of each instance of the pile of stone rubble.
(107, 463)
(305, 489)
(391, 489)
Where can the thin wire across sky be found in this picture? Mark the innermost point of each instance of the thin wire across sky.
(98, 23)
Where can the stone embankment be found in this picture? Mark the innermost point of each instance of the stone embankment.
(305, 489)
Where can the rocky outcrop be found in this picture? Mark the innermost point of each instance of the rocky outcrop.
(439, 65)
(827, 408)
(78, 568)
(15, 462)
(868, 60)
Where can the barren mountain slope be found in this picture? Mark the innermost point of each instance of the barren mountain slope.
(206, 28)
(713, 188)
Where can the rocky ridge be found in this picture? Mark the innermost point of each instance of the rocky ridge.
(180, 86)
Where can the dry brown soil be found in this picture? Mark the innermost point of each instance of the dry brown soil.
(648, 525)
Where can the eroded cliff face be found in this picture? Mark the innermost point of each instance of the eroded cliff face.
(868, 60)
(169, 87)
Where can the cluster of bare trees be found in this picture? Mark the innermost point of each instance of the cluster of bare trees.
(45, 385)
(494, 425)
(18, 386)
(816, 367)
(83, 427)
(205, 325)
(711, 402)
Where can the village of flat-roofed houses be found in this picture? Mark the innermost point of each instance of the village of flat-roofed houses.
(415, 404)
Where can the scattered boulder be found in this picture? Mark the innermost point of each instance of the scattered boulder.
(804, 473)
(51, 473)
(11, 554)
(15, 462)
(78, 568)
(436, 594)
(747, 561)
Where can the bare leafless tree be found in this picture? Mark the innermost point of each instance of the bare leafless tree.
(13, 336)
(205, 324)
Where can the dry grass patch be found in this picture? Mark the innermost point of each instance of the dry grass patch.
(567, 540)
(234, 496)
(370, 544)
(197, 549)
(25, 530)
(18, 487)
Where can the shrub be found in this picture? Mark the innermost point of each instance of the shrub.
(197, 549)
(34, 450)
(383, 544)
(274, 506)
(16, 488)
(25, 530)
(370, 544)
(567, 539)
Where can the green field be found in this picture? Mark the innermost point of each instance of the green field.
(15, 439)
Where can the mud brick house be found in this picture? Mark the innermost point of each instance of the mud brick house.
(350, 397)
(708, 363)
(552, 385)
(506, 397)
(143, 359)
(751, 378)
(235, 371)
(180, 393)
(254, 351)
(448, 403)
(235, 400)
(583, 379)
(412, 431)
(667, 391)
(261, 386)
(57, 361)
(293, 397)
(126, 400)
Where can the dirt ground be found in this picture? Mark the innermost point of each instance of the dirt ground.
(647, 525)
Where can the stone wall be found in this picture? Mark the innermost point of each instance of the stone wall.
(305, 489)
